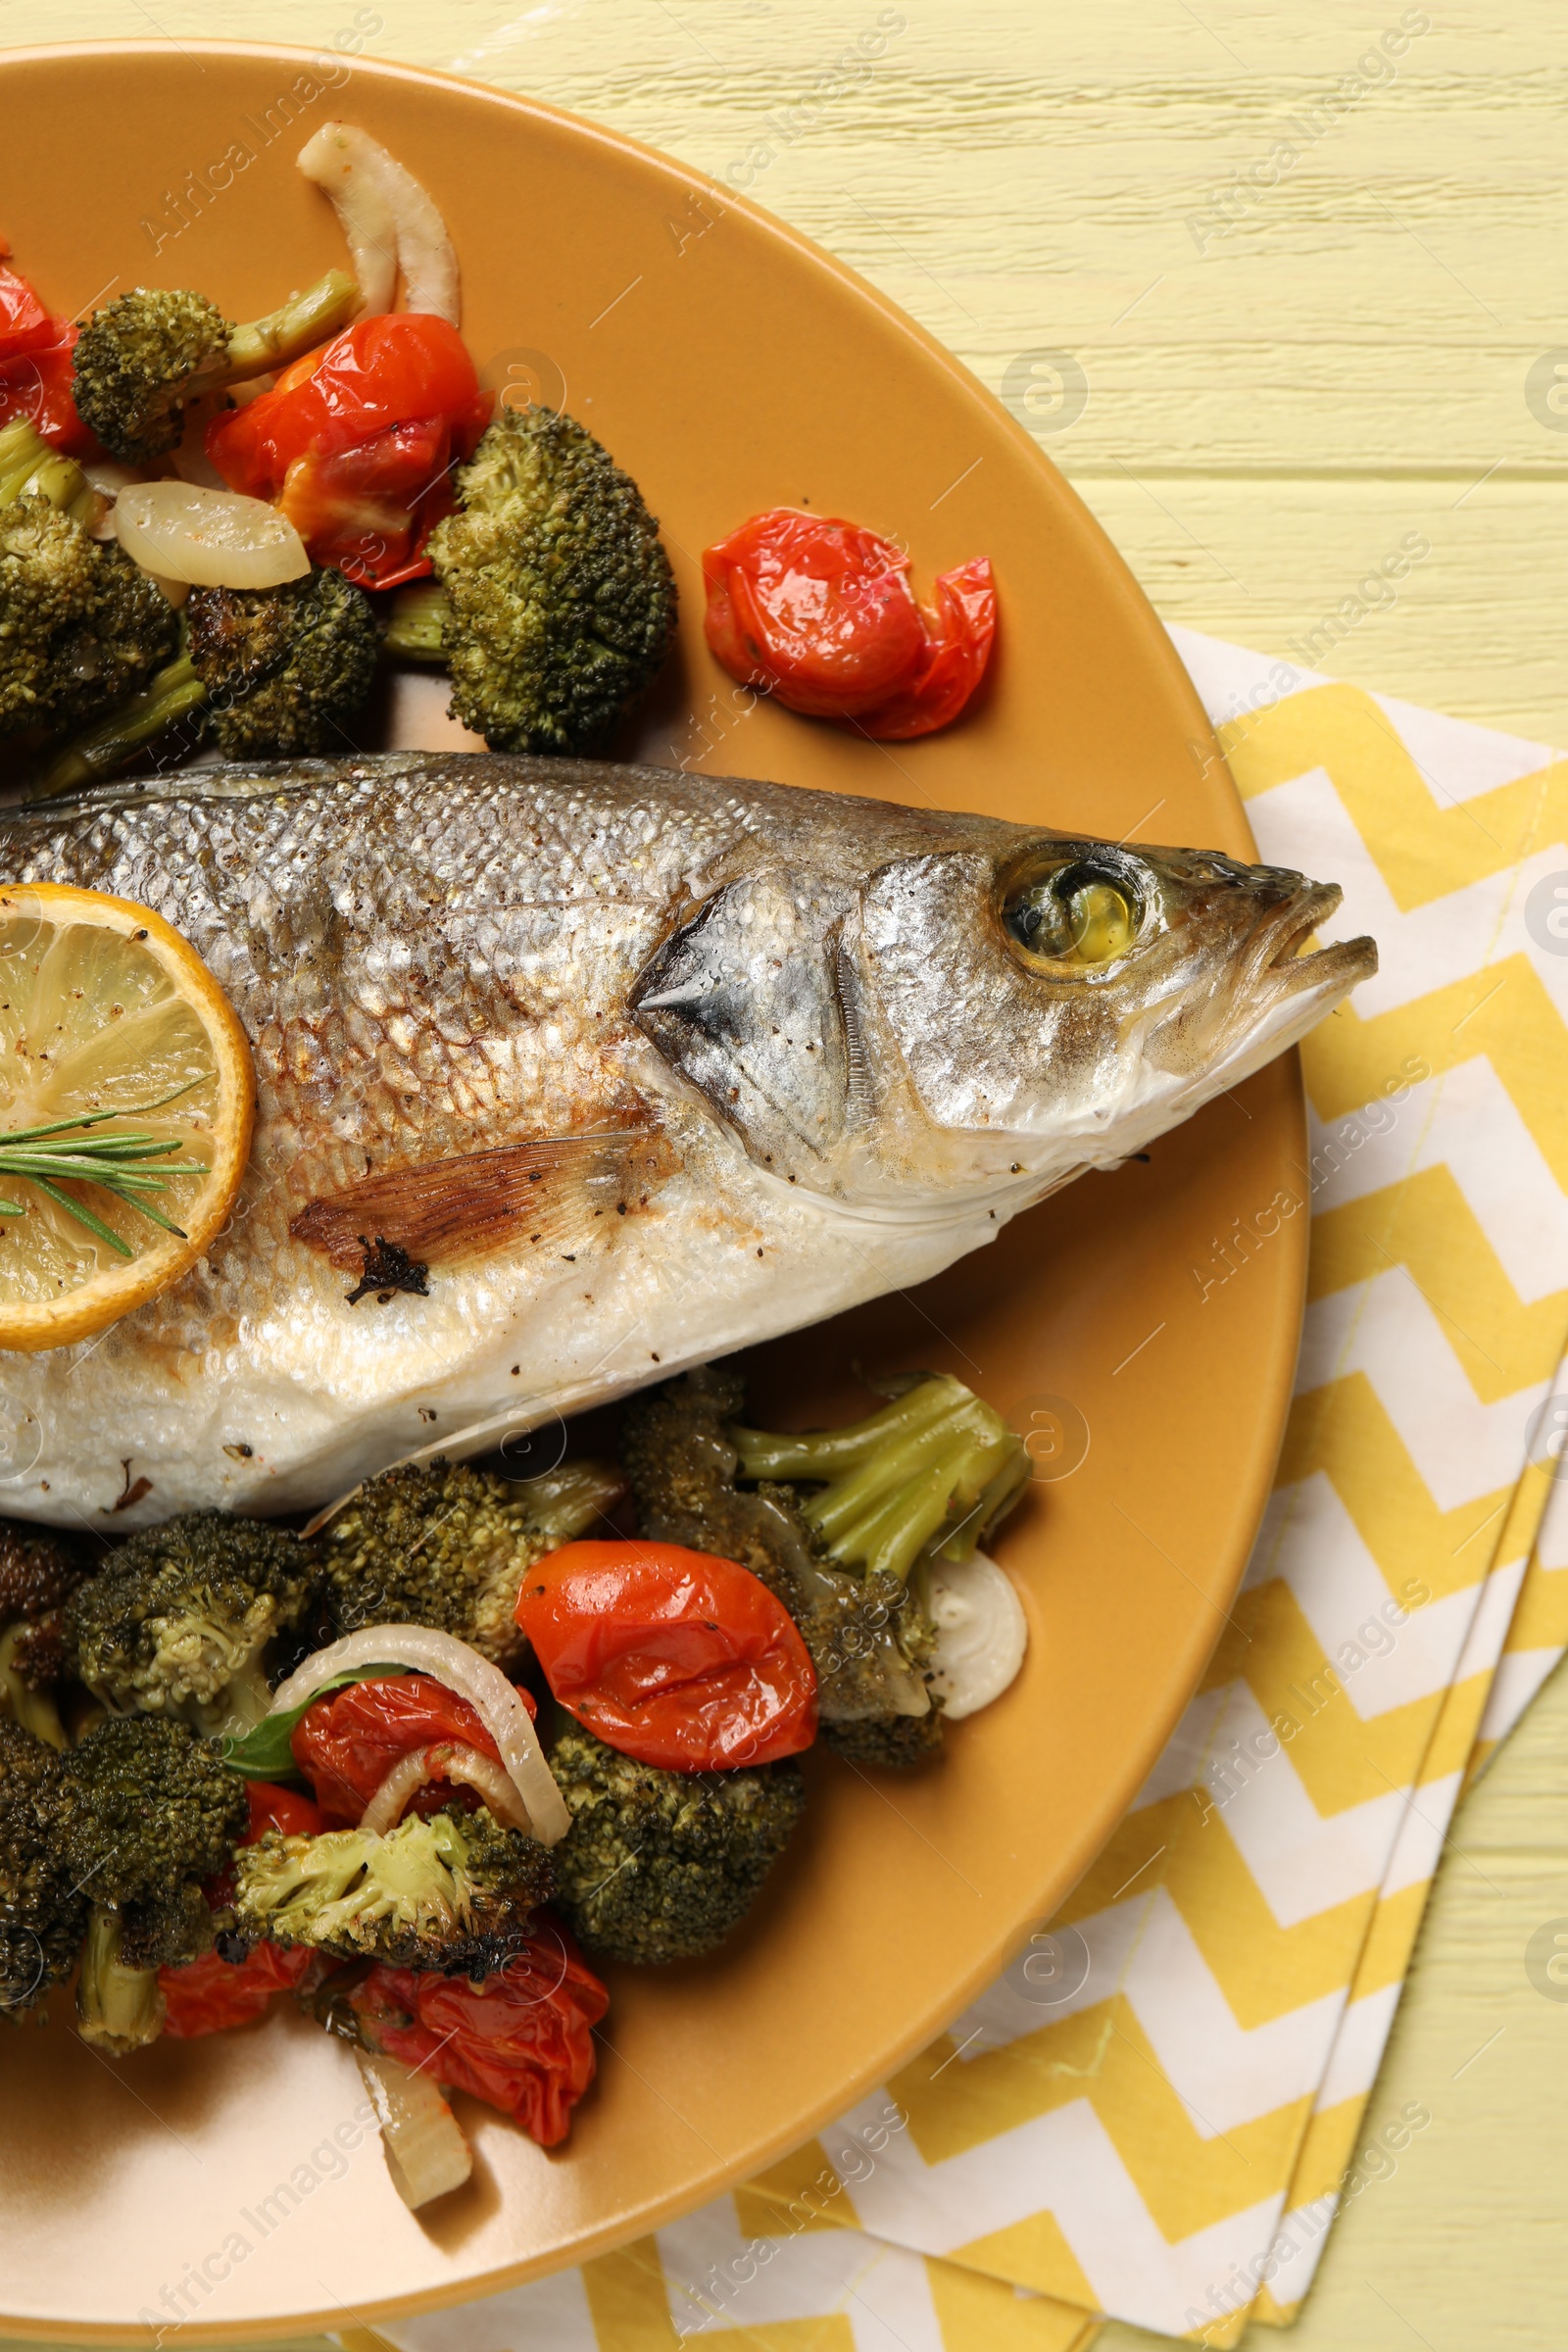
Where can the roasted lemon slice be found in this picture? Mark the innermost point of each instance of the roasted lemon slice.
(127, 1095)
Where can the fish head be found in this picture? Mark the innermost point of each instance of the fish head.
(1064, 1000)
(998, 1011)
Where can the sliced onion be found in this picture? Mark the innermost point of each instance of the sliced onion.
(446, 1760)
(982, 1632)
(212, 538)
(109, 476)
(473, 1678)
(388, 219)
(426, 2153)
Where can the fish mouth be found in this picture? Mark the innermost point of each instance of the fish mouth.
(1276, 962)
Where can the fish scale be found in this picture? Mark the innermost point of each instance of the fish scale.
(643, 1066)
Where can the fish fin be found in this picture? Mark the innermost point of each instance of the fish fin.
(551, 1193)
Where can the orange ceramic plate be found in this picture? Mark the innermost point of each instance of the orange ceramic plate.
(729, 366)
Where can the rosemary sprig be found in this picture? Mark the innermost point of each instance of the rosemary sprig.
(60, 1153)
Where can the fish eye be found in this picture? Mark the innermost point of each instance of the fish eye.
(1080, 913)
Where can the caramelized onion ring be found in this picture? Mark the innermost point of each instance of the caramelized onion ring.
(443, 1760)
(471, 1677)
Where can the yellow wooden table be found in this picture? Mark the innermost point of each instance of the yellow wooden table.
(1275, 292)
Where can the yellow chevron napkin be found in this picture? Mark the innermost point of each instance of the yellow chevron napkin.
(1155, 2113)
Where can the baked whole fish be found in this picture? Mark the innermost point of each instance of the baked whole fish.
(640, 1066)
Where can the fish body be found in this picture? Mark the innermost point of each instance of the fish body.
(640, 1067)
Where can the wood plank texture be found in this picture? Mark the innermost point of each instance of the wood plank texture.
(1277, 286)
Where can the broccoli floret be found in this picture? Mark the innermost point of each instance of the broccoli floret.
(265, 672)
(659, 1865)
(79, 625)
(453, 1893)
(39, 1573)
(868, 1637)
(145, 1811)
(285, 669)
(145, 355)
(176, 1621)
(558, 599)
(447, 1546)
(42, 1915)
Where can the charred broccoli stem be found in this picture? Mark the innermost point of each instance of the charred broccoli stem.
(79, 625)
(144, 356)
(454, 1893)
(265, 672)
(446, 1546)
(929, 1475)
(560, 602)
(178, 1621)
(42, 1914)
(868, 1637)
(120, 2007)
(662, 1866)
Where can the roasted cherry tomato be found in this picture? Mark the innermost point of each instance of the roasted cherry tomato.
(210, 1995)
(348, 1741)
(37, 385)
(355, 442)
(24, 324)
(521, 2041)
(819, 613)
(274, 1807)
(675, 1657)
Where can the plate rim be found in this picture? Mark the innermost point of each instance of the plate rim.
(1162, 660)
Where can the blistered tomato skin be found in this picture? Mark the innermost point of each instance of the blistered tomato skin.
(210, 1994)
(819, 613)
(522, 2041)
(815, 612)
(24, 325)
(962, 627)
(675, 1657)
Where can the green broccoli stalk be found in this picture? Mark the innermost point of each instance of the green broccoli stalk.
(454, 1893)
(556, 603)
(30, 469)
(81, 627)
(446, 1546)
(42, 1912)
(417, 629)
(118, 2007)
(265, 673)
(662, 1866)
(144, 356)
(179, 1620)
(928, 1476)
(103, 749)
